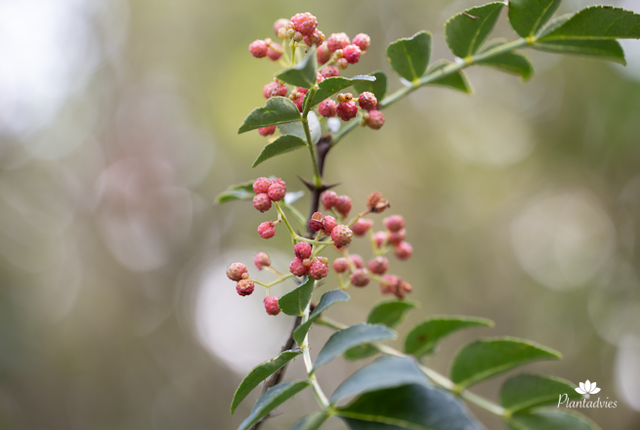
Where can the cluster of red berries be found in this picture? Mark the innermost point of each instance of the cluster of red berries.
(268, 191)
(347, 109)
(341, 51)
(238, 272)
(394, 235)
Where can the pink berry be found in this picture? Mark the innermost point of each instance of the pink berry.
(261, 259)
(271, 305)
(395, 237)
(375, 120)
(297, 267)
(380, 238)
(329, 198)
(378, 265)
(367, 101)
(236, 271)
(330, 71)
(347, 110)
(267, 131)
(273, 89)
(343, 205)
(394, 223)
(342, 63)
(341, 235)
(361, 226)
(357, 261)
(298, 99)
(403, 250)
(262, 202)
(318, 269)
(245, 287)
(261, 185)
(274, 52)
(337, 41)
(327, 108)
(305, 23)
(319, 77)
(363, 41)
(360, 278)
(279, 181)
(351, 53)
(267, 229)
(389, 284)
(277, 191)
(316, 223)
(323, 54)
(302, 250)
(258, 48)
(340, 265)
(317, 38)
(329, 224)
(281, 23)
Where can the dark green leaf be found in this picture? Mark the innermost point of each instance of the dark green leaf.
(609, 50)
(279, 146)
(327, 299)
(302, 74)
(295, 301)
(415, 407)
(277, 110)
(334, 85)
(352, 336)
(424, 337)
(242, 191)
(467, 31)
(409, 57)
(385, 372)
(390, 313)
(378, 87)
(485, 358)
(360, 352)
(526, 391)
(551, 419)
(528, 16)
(259, 374)
(597, 22)
(274, 397)
(311, 422)
(457, 81)
(511, 62)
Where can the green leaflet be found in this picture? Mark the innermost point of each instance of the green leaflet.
(467, 31)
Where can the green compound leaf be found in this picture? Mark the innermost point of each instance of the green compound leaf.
(302, 74)
(527, 391)
(485, 358)
(295, 301)
(384, 372)
(377, 87)
(409, 57)
(415, 407)
(277, 110)
(528, 16)
(456, 81)
(423, 338)
(551, 419)
(327, 299)
(597, 22)
(281, 145)
(467, 31)
(355, 335)
(333, 85)
(260, 373)
(274, 397)
(609, 50)
(243, 191)
(390, 313)
(312, 421)
(511, 62)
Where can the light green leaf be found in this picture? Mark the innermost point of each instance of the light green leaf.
(526, 391)
(260, 373)
(327, 299)
(295, 301)
(467, 31)
(456, 81)
(311, 422)
(528, 16)
(597, 22)
(424, 337)
(352, 336)
(390, 313)
(277, 110)
(378, 87)
(511, 62)
(335, 84)
(243, 191)
(416, 407)
(302, 74)
(485, 358)
(609, 50)
(274, 397)
(409, 57)
(551, 419)
(385, 372)
(281, 145)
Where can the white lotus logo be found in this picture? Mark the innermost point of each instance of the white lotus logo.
(587, 388)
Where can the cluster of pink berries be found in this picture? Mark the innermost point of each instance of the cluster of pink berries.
(268, 191)
(238, 272)
(341, 51)
(347, 109)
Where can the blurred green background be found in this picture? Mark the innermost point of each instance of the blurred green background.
(118, 127)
